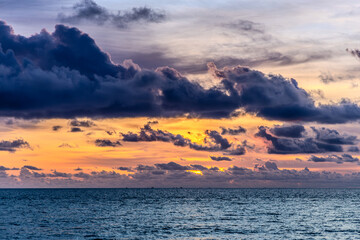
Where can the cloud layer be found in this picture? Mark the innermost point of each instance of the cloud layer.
(66, 75)
(176, 175)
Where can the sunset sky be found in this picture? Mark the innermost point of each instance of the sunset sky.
(179, 93)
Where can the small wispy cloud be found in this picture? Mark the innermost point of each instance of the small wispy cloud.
(89, 10)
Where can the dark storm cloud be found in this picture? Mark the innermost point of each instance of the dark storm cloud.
(107, 143)
(84, 123)
(292, 131)
(334, 158)
(12, 146)
(232, 131)
(213, 141)
(66, 75)
(56, 128)
(66, 47)
(279, 145)
(274, 97)
(91, 11)
(220, 158)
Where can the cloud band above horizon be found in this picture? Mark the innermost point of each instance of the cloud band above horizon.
(65, 75)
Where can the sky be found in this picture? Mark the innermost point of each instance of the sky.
(179, 94)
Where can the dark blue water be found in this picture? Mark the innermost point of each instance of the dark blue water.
(180, 214)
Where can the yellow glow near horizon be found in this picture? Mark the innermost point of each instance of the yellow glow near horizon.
(195, 171)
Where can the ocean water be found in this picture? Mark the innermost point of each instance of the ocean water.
(180, 214)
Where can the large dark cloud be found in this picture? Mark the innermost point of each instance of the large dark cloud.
(213, 141)
(274, 97)
(91, 11)
(65, 74)
(65, 47)
(326, 140)
(12, 146)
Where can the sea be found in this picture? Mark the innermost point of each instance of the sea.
(179, 214)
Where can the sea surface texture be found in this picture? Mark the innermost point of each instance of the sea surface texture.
(180, 214)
